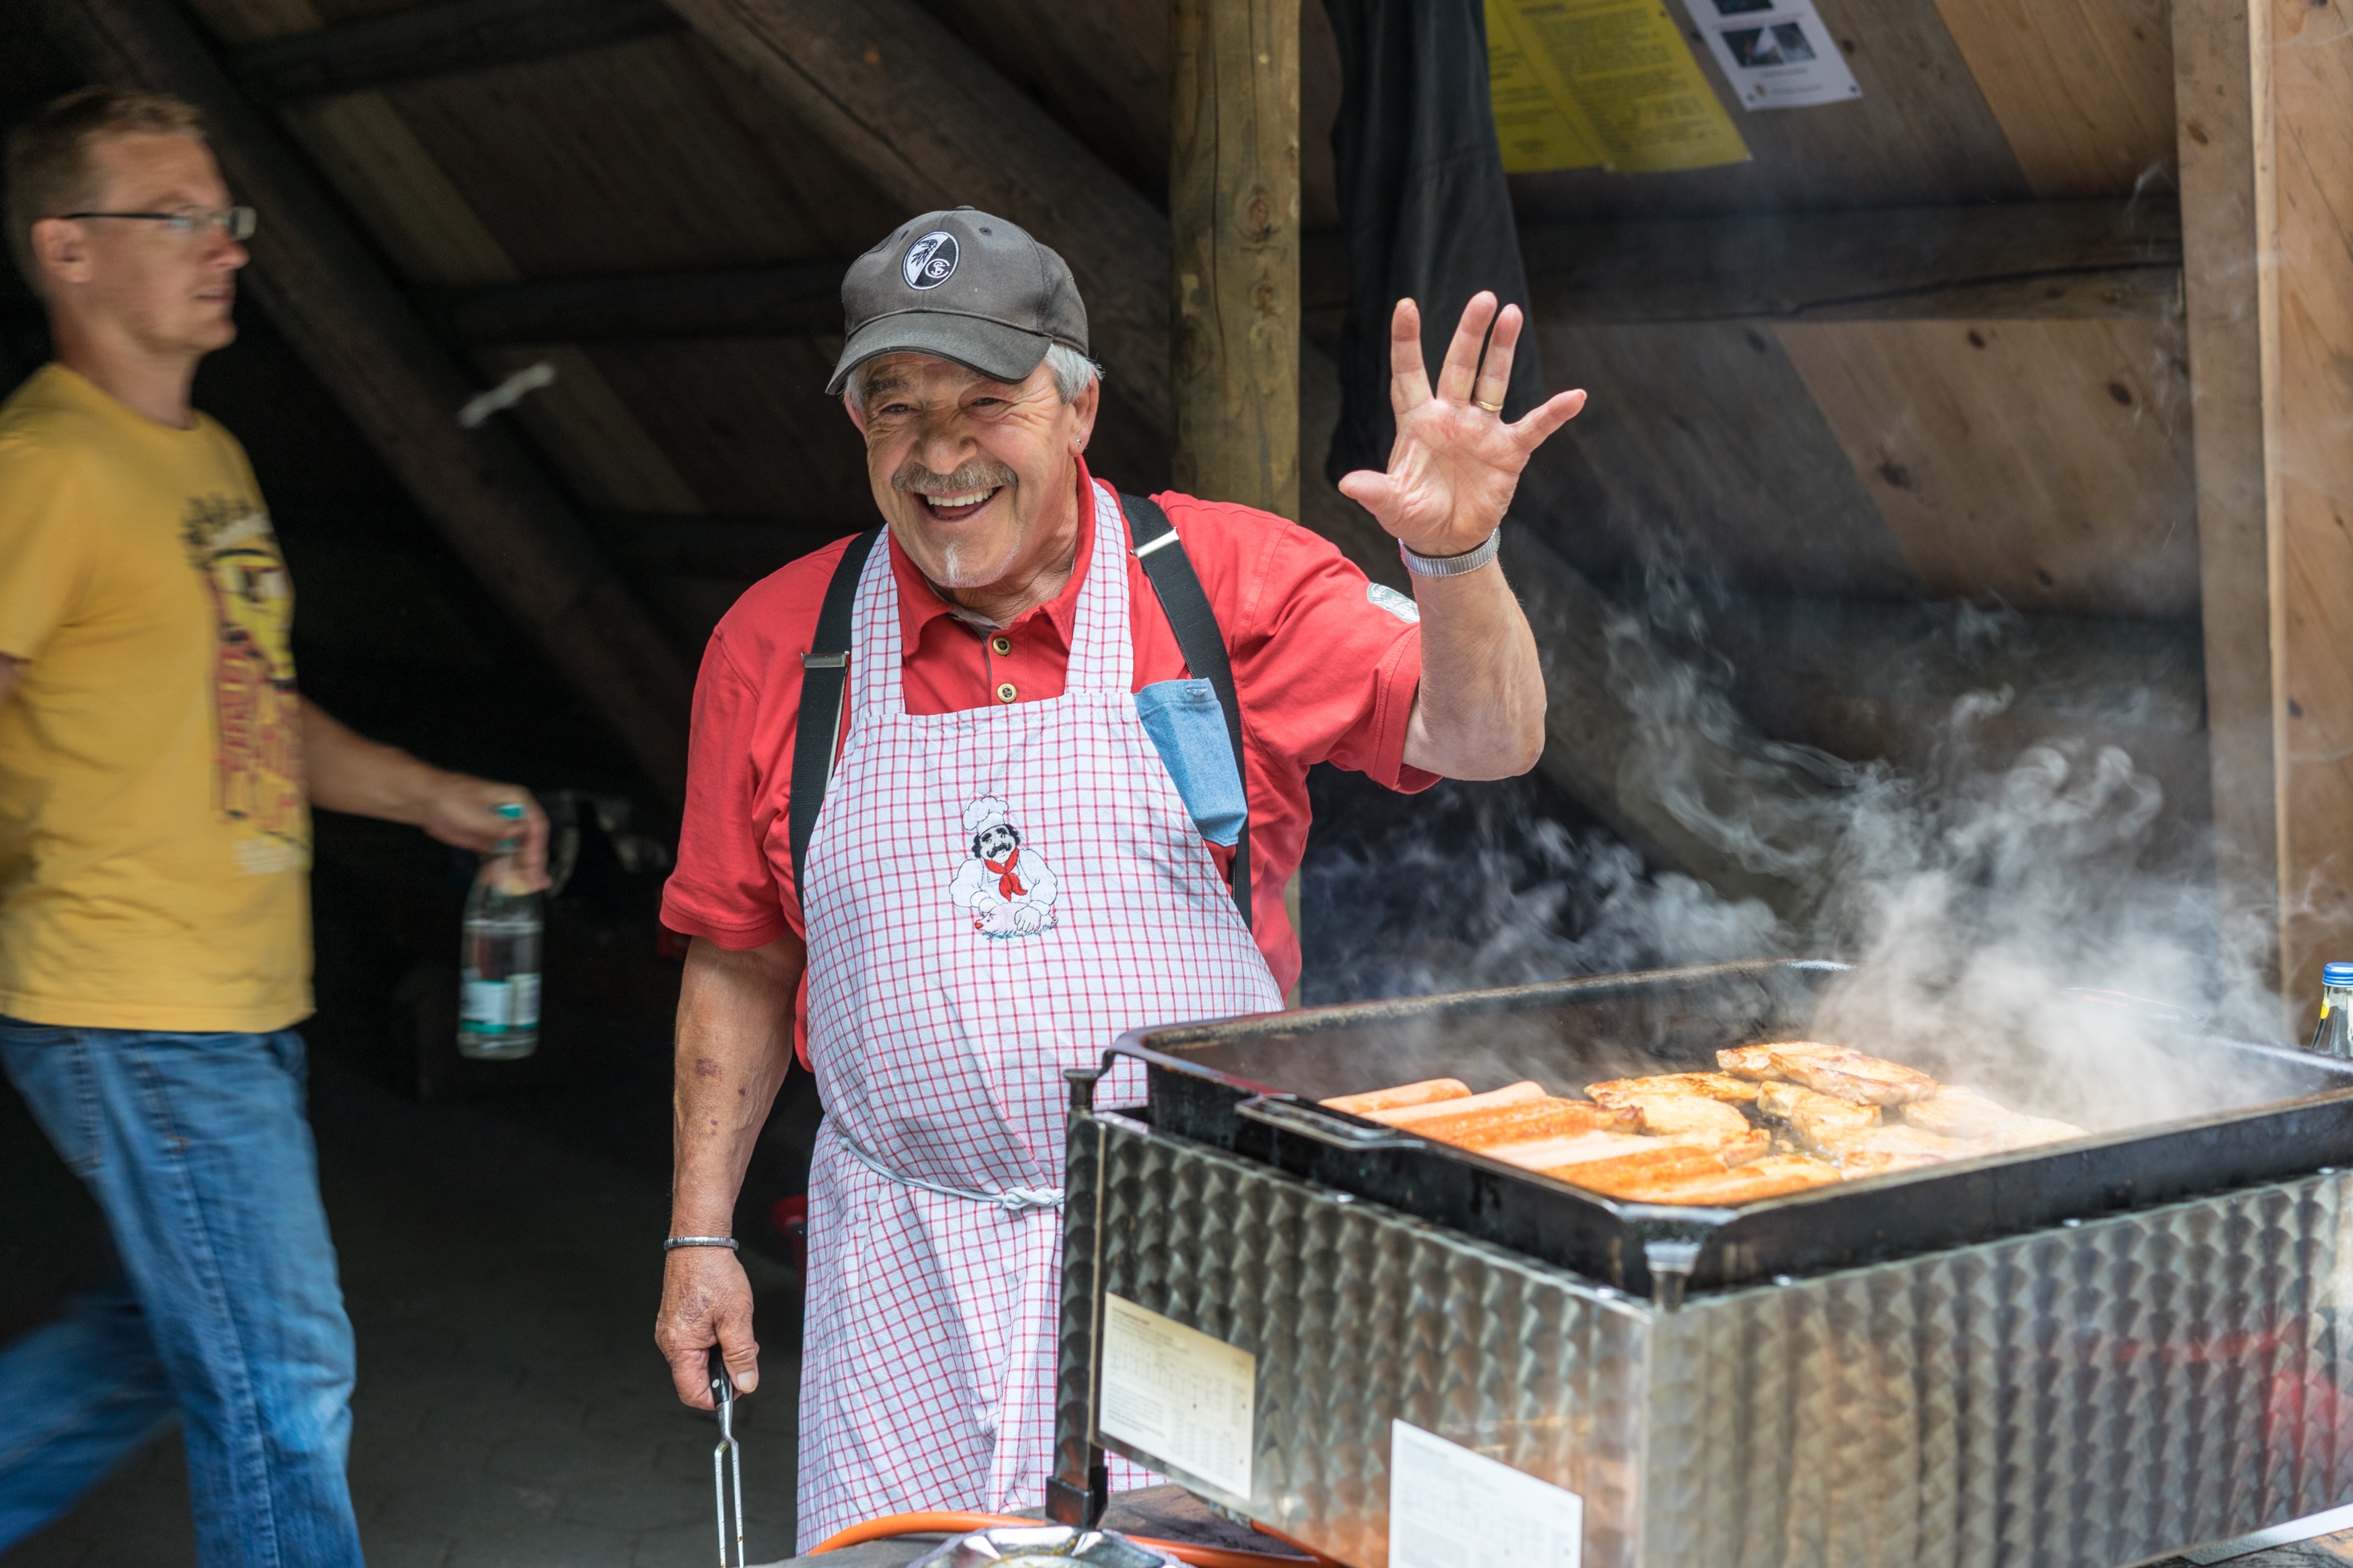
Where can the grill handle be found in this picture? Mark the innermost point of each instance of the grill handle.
(1285, 1114)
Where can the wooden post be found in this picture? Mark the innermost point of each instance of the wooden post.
(2263, 93)
(1233, 218)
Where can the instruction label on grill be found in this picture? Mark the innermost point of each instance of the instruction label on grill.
(1450, 1508)
(1184, 1398)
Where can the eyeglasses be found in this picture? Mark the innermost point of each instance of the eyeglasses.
(187, 223)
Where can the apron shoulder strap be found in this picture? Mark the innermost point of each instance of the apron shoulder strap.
(1153, 540)
(824, 675)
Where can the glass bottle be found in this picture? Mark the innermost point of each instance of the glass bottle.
(2333, 1037)
(498, 959)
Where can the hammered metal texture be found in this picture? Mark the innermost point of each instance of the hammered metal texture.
(2087, 1396)
(2081, 1397)
(1358, 1315)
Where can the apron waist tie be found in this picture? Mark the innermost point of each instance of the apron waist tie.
(1016, 1201)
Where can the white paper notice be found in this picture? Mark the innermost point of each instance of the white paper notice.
(1776, 53)
(1182, 1397)
(1450, 1508)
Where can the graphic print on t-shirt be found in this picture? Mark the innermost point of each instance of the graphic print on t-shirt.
(257, 715)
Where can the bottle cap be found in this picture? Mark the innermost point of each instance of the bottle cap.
(2337, 975)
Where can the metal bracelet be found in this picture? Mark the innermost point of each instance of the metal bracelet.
(675, 1242)
(1453, 565)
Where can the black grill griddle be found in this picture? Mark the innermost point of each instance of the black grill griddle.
(1246, 1086)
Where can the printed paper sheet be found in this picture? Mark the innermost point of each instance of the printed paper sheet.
(1450, 1508)
(1776, 53)
(1621, 81)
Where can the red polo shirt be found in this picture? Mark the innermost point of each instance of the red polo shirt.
(1324, 674)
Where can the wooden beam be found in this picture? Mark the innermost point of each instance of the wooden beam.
(2033, 261)
(899, 97)
(1233, 214)
(801, 299)
(2020, 260)
(2264, 96)
(335, 304)
(441, 40)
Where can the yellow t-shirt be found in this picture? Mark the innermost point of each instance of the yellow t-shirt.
(154, 831)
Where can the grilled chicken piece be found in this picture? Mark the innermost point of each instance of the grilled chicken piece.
(1526, 1121)
(1422, 1094)
(1765, 1178)
(1689, 1119)
(1748, 1061)
(1707, 1084)
(1493, 1100)
(1966, 1114)
(1819, 1121)
(1849, 1074)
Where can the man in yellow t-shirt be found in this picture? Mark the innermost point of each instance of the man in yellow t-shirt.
(158, 766)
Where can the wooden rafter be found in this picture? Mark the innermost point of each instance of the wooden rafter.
(439, 41)
(351, 324)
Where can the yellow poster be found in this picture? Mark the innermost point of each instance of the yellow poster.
(1620, 79)
(1538, 131)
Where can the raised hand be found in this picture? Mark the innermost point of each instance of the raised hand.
(1455, 464)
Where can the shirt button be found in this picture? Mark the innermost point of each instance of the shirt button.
(1002, 646)
(1005, 693)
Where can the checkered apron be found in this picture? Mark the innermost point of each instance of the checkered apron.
(934, 1267)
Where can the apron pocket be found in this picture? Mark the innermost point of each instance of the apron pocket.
(1189, 729)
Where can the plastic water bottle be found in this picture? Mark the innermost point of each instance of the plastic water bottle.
(2333, 1037)
(498, 958)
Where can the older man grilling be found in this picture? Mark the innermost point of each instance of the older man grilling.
(1023, 828)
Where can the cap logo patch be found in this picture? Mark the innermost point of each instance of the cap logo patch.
(931, 260)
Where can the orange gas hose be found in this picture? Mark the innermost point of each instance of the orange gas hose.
(964, 1523)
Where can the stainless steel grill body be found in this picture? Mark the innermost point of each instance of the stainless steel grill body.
(2094, 1394)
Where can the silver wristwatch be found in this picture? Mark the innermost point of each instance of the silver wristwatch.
(1453, 565)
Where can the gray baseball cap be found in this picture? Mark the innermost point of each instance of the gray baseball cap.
(963, 286)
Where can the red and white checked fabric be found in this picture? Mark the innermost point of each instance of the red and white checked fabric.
(939, 1030)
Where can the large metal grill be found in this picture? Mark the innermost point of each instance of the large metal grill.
(2092, 1355)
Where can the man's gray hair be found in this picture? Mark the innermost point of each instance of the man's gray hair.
(1074, 373)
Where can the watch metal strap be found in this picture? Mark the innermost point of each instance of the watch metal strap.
(1468, 561)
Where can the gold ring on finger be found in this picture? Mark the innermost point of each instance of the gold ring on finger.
(1494, 408)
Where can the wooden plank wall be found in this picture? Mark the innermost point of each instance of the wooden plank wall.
(2266, 98)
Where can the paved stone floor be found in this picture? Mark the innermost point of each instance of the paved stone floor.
(510, 1408)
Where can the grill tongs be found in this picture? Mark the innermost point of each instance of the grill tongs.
(726, 1460)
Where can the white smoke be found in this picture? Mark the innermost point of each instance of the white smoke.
(1979, 892)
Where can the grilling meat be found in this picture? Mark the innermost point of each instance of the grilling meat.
(1849, 1074)
(1694, 1119)
(1966, 1114)
(1404, 1094)
(1707, 1084)
(1687, 1137)
(1694, 1177)
(1642, 1171)
(1493, 1100)
(1544, 1153)
(1525, 1122)
(1819, 1121)
(1896, 1148)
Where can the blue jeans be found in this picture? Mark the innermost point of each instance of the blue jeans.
(196, 1147)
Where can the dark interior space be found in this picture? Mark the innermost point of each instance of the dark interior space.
(1887, 556)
